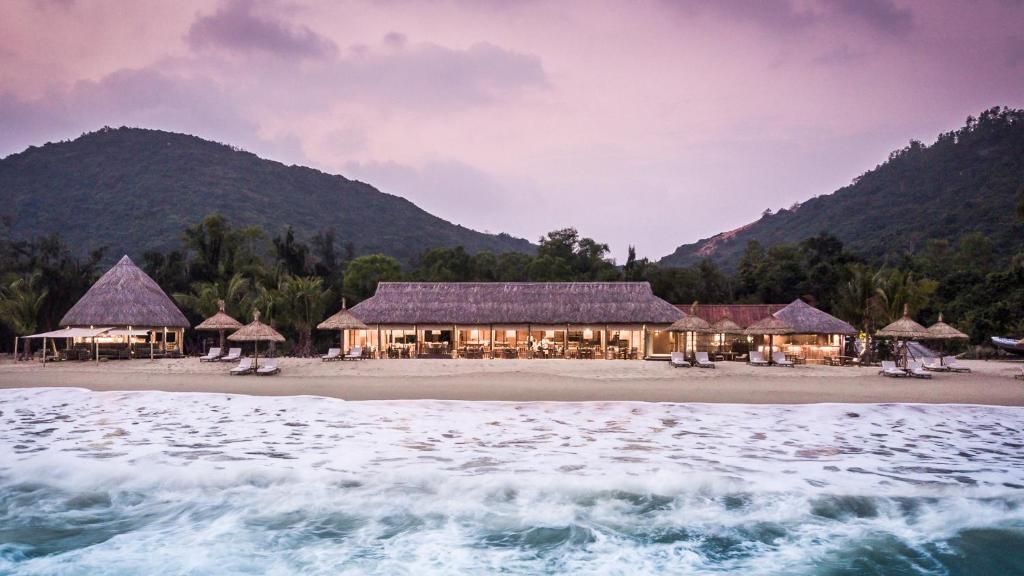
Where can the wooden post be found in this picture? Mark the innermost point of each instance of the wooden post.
(44, 350)
(15, 348)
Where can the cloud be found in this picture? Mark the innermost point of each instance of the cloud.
(789, 15)
(244, 26)
(880, 15)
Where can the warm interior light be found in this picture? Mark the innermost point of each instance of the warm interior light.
(474, 334)
(510, 333)
(588, 334)
(549, 333)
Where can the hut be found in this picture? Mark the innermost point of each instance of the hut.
(516, 320)
(728, 341)
(138, 315)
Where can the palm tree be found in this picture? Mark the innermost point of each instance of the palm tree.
(899, 289)
(21, 302)
(302, 303)
(204, 296)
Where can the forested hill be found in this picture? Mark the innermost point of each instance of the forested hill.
(969, 180)
(135, 190)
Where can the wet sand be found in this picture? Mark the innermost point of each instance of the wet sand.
(533, 380)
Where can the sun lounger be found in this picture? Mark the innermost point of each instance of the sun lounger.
(212, 356)
(244, 367)
(780, 360)
(269, 368)
(356, 353)
(332, 354)
(935, 365)
(757, 359)
(678, 360)
(701, 360)
(233, 354)
(953, 366)
(1021, 375)
(917, 371)
(889, 369)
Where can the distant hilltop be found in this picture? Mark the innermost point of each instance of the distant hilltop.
(134, 190)
(969, 180)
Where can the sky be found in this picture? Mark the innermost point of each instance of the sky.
(645, 123)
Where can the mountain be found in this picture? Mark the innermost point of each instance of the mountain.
(969, 180)
(135, 190)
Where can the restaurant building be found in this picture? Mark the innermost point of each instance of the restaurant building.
(622, 320)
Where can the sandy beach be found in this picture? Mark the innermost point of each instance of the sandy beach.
(532, 380)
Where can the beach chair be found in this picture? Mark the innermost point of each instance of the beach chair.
(332, 354)
(757, 359)
(269, 368)
(244, 367)
(1021, 375)
(779, 359)
(233, 354)
(701, 360)
(890, 369)
(916, 370)
(212, 356)
(356, 353)
(678, 360)
(935, 365)
(953, 366)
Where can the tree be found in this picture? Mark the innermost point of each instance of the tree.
(363, 273)
(20, 303)
(302, 301)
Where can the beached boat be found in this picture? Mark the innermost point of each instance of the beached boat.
(1009, 345)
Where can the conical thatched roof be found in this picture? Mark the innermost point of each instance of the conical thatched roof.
(726, 326)
(942, 331)
(691, 323)
(904, 328)
(256, 331)
(806, 319)
(342, 320)
(125, 296)
(219, 321)
(770, 326)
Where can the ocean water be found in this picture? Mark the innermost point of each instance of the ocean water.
(158, 483)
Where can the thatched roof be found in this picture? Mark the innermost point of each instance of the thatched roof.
(726, 326)
(219, 321)
(256, 331)
(741, 314)
(125, 296)
(905, 327)
(515, 303)
(942, 331)
(342, 320)
(770, 326)
(691, 323)
(806, 319)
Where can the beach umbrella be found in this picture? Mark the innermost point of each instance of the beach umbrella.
(905, 329)
(691, 323)
(342, 320)
(219, 322)
(726, 326)
(770, 327)
(942, 331)
(256, 332)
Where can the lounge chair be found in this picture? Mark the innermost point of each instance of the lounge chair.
(233, 354)
(917, 371)
(212, 356)
(244, 367)
(889, 369)
(1021, 375)
(678, 360)
(332, 354)
(269, 368)
(757, 359)
(701, 360)
(953, 366)
(356, 353)
(935, 365)
(779, 359)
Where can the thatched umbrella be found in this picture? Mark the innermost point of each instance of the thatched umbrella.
(690, 323)
(342, 320)
(256, 332)
(770, 327)
(903, 330)
(942, 331)
(726, 326)
(219, 322)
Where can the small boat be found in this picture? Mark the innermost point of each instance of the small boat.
(1009, 345)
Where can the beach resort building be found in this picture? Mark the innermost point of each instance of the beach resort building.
(622, 320)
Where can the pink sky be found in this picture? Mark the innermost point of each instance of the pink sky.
(650, 123)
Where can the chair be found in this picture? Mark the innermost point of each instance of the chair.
(1021, 375)
(212, 356)
(332, 354)
(935, 365)
(780, 360)
(233, 354)
(244, 367)
(356, 353)
(953, 366)
(889, 369)
(269, 368)
(917, 371)
(701, 360)
(678, 360)
(757, 359)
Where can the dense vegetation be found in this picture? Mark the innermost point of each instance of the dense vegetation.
(968, 182)
(134, 190)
